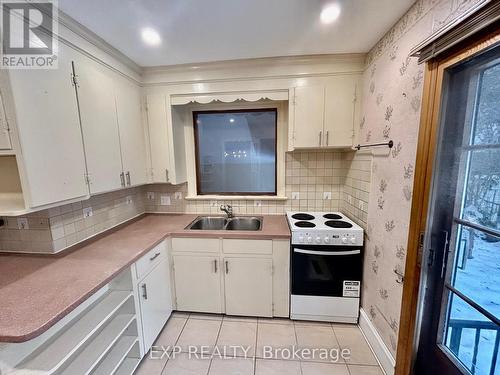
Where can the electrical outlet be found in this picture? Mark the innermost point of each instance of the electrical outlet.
(87, 212)
(213, 204)
(129, 199)
(295, 195)
(151, 196)
(165, 200)
(361, 205)
(349, 199)
(178, 195)
(22, 223)
(327, 195)
(257, 203)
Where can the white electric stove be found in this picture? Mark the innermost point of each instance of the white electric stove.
(326, 266)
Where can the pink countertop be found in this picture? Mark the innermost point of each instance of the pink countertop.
(37, 291)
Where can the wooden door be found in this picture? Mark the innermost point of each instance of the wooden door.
(198, 283)
(309, 106)
(248, 286)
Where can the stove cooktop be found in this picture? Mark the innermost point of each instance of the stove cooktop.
(324, 228)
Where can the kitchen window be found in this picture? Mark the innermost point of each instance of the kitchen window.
(236, 151)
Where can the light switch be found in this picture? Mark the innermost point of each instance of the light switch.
(87, 212)
(257, 203)
(295, 195)
(151, 195)
(327, 195)
(129, 199)
(178, 195)
(22, 223)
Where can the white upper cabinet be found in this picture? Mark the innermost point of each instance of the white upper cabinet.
(309, 116)
(158, 137)
(133, 147)
(340, 94)
(96, 96)
(324, 115)
(46, 114)
(4, 128)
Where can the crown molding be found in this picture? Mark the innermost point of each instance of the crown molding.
(91, 37)
(260, 62)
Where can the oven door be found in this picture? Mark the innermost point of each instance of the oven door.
(326, 270)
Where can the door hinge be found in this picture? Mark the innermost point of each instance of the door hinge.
(74, 80)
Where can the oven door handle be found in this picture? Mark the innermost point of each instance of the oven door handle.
(328, 253)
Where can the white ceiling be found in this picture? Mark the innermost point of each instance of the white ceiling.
(195, 31)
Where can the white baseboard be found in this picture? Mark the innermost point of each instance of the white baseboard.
(383, 354)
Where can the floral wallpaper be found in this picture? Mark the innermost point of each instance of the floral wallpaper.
(391, 110)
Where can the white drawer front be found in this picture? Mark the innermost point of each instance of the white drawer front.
(203, 245)
(152, 258)
(240, 246)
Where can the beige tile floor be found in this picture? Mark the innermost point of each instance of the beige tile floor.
(217, 332)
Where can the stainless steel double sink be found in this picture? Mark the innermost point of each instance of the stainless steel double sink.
(251, 223)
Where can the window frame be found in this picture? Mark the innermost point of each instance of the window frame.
(195, 114)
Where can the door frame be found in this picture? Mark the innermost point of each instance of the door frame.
(424, 167)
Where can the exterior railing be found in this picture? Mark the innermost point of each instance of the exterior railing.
(458, 325)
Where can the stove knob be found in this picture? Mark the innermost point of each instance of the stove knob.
(309, 239)
(353, 240)
(344, 240)
(301, 239)
(327, 239)
(318, 239)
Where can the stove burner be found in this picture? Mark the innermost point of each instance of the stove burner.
(338, 224)
(301, 216)
(332, 216)
(305, 224)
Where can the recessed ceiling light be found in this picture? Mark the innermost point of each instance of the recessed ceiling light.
(330, 13)
(150, 36)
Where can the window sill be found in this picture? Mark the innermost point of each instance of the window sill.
(236, 198)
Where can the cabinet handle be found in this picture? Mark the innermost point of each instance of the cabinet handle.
(227, 267)
(122, 179)
(128, 178)
(327, 137)
(215, 265)
(154, 256)
(144, 291)
(320, 137)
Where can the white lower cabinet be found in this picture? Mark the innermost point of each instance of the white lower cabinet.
(153, 292)
(248, 286)
(238, 277)
(155, 301)
(197, 283)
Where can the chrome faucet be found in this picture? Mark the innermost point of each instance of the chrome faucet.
(228, 209)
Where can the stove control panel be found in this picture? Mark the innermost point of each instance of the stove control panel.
(351, 238)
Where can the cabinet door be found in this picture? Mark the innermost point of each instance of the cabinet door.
(339, 112)
(249, 286)
(133, 147)
(309, 116)
(49, 131)
(96, 95)
(158, 137)
(197, 283)
(156, 302)
(4, 128)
